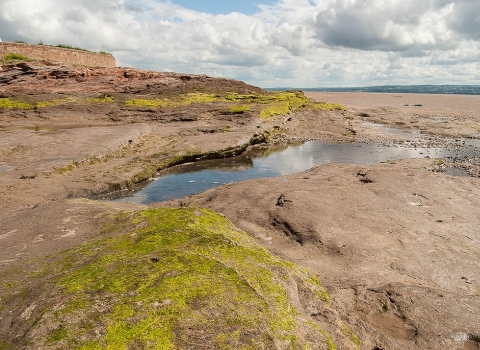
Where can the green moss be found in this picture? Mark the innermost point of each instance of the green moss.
(53, 103)
(57, 335)
(5, 345)
(269, 97)
(273, 110)
(11, 104)
(171, 276)
(152, 103)
(328, 338)
(331, 344)
(320, 290)
(326, 106)
(348, 333)
(239, 109)
(177, 101)
(104, 98)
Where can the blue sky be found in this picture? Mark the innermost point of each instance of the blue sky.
(248, 7)
(282, 43)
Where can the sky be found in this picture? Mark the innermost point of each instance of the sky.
(268, 43)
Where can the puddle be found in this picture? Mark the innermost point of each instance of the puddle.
(5, 166)
(389, 130)
(263, 162)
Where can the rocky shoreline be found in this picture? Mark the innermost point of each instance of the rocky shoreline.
(392, 247)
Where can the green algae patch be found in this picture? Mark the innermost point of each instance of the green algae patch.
(151, 103)
(274, 110)
(239, 109)
(103, 98)
(173, 279)
(172, 102)
(13, 104)
(348, 334)
(326, 106)
(52, 103)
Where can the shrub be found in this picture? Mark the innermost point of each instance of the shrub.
(64, 46)
(12, 57)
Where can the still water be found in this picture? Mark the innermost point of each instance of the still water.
(263, 162)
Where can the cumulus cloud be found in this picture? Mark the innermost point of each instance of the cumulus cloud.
(465, 19)
(296, 43)
(397, 25)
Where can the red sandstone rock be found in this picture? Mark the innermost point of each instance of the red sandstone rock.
(31, 78)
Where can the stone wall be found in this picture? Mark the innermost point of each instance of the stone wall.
(67, 56)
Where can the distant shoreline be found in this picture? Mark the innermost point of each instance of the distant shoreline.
(400, 89)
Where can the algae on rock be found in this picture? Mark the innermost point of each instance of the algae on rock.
(174, 279)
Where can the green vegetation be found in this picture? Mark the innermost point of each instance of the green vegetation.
(329, 340)
(104, 98)
(53, 103)
(282, 108)
(269, 105)
(12, 104)
(172, 279)
(325, 106)
(347, 332)
(283, 103)
(12, 57)
(239, 109)
(95, 159)
(177, 101)
(64, 46)
(153, 103)
(331, 344)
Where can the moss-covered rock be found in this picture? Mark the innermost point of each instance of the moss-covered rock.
(167, 279)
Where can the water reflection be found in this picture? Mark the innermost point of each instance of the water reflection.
(263, 162)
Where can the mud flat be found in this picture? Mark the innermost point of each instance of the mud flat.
(390, 250)
(452, 115)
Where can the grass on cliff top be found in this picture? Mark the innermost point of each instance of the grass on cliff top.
(12, 57)
(175, 279)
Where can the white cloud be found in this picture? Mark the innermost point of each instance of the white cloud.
(296, 43)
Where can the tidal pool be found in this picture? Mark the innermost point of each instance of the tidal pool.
(270, 161)
(5, 166)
